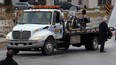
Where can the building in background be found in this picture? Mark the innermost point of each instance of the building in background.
(89, 3)
(1, 1)
(36, 2)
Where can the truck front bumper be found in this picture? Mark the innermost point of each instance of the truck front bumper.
(28, 44)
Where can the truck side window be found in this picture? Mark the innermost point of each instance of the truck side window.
(56, 18)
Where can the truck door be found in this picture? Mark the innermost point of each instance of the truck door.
(58, 27)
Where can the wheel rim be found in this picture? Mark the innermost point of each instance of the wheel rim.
(95, 43)
(49, 47)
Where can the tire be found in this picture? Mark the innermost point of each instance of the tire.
(14, 51)
(92, 44)
(95, 43)
(48, 47)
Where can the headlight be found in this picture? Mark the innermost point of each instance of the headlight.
(37, 38)
(8, 37)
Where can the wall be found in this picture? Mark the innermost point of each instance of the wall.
(48, 2)
(6, 26)
(1, 1)
(14, 1)
(113, 2)
(85, 2)
(75, 2)
(92, 3)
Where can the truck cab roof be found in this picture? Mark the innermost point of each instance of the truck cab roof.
(45, 8)
(50, 10)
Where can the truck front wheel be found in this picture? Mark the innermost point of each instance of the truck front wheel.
(14, 51)
(48, 47)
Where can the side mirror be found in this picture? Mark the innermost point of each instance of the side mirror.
(111, 28)
(15, 21)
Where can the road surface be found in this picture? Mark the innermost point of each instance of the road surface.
(74, 56)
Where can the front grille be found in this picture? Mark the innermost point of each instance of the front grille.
(16, 34)
(21, 34)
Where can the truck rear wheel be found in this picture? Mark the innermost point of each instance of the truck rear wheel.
(48, 47)
(92, 44)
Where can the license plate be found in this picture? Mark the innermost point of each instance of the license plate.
(20, 44)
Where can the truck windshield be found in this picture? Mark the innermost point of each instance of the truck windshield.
(36, 18)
